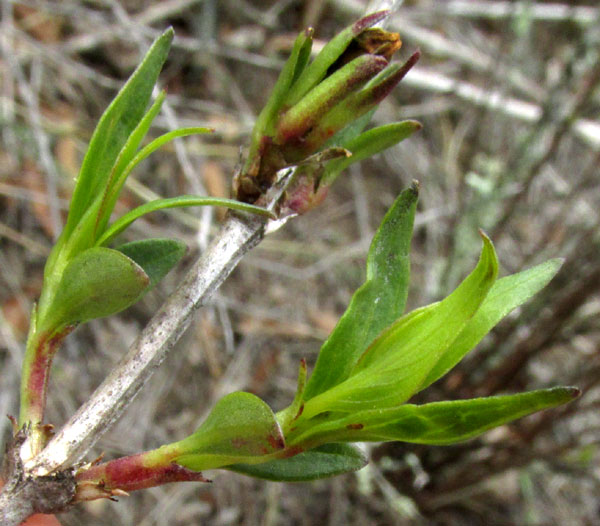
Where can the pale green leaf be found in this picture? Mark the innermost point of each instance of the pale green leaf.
(505, 295)
(96, 283)
(377, 303)
(398, 361)
(241, 428)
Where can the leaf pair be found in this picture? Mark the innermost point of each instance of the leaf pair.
(101, 281)
(376, 359)
(242, 434)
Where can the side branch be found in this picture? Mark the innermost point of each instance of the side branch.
(237, 236)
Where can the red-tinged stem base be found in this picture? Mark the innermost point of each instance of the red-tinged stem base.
(36, 369)
(123, 475)
(34, 383)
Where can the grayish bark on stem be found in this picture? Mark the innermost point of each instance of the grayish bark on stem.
(24, 495)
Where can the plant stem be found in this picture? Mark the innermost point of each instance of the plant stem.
(131, 473)
(238, 235)
(40, 351)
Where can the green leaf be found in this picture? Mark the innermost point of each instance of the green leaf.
(505, 295)
(316, 71)
(307, 113)
(368, 144)
(241, 428)
(96, 283)
(175, 202)
(115, 182)
(154, 145)
(288, 415)
(350, 132)
(114, 128)
(437, 423)
(155, 256)
(377, 303)
(292, 69)
(454, 421)
(133, 160)
(265, 123)
(359, 102)
(395, 365)
(324, 461)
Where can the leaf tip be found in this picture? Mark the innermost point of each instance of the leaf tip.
(369, 20)
(414, 58)
(415, 187)
(486, 239)
(489, 251)
(168, 33)
(416, 125)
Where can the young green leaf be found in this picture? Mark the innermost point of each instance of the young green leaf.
(292, 69)
(155, 256)
(377, 303)
(437, 423)
(175, 202)
(396, 363)
(112, 190)
(350, 132)
(321, 462)
(289, 414)
(368, 144)
(115, 126)
(241, 428)
(145, 152)
(316, 71)
(97, 282)
(359, 102)
(505, 295)
(448, 422)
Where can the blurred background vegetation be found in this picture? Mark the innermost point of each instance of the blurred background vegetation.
(508, 95)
